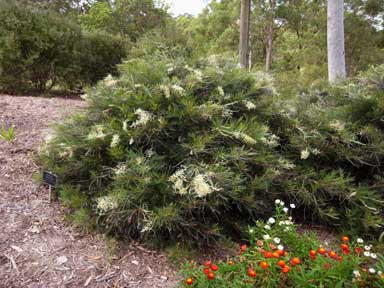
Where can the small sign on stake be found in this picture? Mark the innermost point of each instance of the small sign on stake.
(51, 180)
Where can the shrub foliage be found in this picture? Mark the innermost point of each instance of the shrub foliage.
(40, 49)
(178, 151)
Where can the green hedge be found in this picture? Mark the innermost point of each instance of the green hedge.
(41, 49)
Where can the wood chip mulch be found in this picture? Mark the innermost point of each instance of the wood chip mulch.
(37, 247)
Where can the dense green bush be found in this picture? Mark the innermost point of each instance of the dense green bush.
(40, 49)
(173, 152)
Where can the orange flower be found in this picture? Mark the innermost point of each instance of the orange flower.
(295, 261)
(252, 273)
(281, 263)
(286, 269)
(312, 253)
(230, 262)
(332, 254)
(189, 281)
(321, 250)
(268, 254)
(211, 276)
(345, 239)
(280, 252)
(275, 255)
(264, 264)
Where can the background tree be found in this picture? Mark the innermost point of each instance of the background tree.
(244, 33)
(335, 40)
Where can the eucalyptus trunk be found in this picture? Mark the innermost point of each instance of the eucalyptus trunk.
(335, 35)
(244, 33)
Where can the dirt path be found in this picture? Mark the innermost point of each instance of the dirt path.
(38, 248)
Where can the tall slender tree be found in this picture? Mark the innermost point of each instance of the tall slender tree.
(244, 33)
(270, 34)
(335, 38)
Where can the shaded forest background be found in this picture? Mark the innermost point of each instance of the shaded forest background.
(67, 45)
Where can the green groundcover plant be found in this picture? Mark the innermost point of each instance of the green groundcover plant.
(175, 151)
(279, 256)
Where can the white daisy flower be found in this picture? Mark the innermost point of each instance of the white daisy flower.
(266, 237)
(356, 273)
(280, 247)
(276, 240)
(282, 203)
(372, 270)
(379, 273)
(271, 220)
(367, 248)
(367, 254)
(251, 231)
(285, 209)
(373, 256)
(359, 240)
(267, 227)
(277, 201)
(293, 206)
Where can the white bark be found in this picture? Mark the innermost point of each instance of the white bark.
(335, 35)
(244, 33)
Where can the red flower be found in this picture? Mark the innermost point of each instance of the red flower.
(346, 251)
(206, 271)
(280, 252)
(344, 246)
(211, 276)
(189, 281)
(268, 254)
(252, 273)
(312, 253)
(207, 263)
(214, 267)
(286, 269)
(243, 247)
(358, 250)
(281, 263)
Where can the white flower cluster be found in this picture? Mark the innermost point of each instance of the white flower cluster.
(305, 154)
(115, 140)
(106, 203)
(271, 140)
(200, 184)
(143, 118)
(109, 81)
(120, 169)
(221, 91)
(286, 164)
(245, 138)
(337, 125)
(178, 178)
(97, 132)
(249, 105)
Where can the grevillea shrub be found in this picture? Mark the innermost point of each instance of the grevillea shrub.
(278, 256)
(175, 151)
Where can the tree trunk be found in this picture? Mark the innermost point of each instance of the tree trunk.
(335, 35)
(244, 33)
(270, 33)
